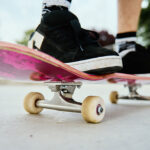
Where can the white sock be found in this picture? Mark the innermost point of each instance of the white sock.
(48, 4)
(125, 43)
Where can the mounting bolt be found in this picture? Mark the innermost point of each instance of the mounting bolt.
(99, 109)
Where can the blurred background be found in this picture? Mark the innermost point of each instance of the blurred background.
(18, 18)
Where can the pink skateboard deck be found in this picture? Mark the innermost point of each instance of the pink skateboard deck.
(21, 63)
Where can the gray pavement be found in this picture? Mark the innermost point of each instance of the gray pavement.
(126, 125)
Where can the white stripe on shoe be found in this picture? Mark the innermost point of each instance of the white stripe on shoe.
(97, 63)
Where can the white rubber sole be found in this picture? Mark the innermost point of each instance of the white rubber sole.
(97, 63)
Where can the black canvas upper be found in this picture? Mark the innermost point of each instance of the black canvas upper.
(66, 40)
(138, 61)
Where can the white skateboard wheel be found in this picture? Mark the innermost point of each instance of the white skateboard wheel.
(93, 109)
(30, 102)
(113, 97)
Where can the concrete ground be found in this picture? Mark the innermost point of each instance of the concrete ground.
(126, 126)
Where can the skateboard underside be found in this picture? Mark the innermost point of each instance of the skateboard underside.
(17, 66)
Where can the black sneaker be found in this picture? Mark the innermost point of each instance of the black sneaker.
(61, 36)
(136, 58)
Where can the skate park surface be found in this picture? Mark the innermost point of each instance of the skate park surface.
(125, 126)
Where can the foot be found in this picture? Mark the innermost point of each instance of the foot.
(61, 36)
(135, 58)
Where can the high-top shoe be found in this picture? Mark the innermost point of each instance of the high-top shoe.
(61, 36)
(135, 58)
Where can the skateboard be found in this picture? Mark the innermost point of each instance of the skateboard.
(24, 64)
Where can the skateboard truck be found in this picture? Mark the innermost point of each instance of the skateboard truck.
(62, 99)
(92, 108)
(133, 94)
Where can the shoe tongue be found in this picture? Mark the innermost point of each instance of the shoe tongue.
(58, 17)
